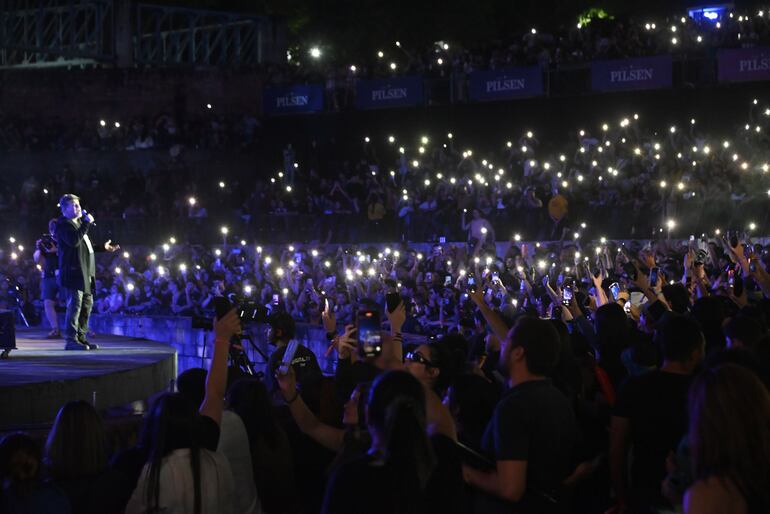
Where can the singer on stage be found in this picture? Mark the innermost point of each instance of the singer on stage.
(77, 270)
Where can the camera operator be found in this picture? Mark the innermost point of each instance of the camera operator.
(47, 257)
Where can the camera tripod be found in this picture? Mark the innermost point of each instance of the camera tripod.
(240, 358)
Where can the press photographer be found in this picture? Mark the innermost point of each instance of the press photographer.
(47, 258)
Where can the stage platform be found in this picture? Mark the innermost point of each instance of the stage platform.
(40, 376)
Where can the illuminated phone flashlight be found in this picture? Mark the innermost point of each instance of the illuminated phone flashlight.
(14, 256)
(243, 242)
(327, 264)
(279, 272)
(285, 291)
(183, 268)
(483, 230)
(118, 270)
(515, 302)
(161, 271)
(221, 184)
(166, 247)
(462, 272)
(172, 240)
(752, 226)
(489, 260)
(476, 260)
(247, 290)
(396, 253)
(598, 250)
(541, 264)
(130, 287)
(259, 249)
(153, 257)
(217, 252)
(371, 272)
(224, 230)
(577, 255)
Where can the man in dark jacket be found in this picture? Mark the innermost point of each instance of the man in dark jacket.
(77, 270)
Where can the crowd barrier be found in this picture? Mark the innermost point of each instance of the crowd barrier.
(194, 346)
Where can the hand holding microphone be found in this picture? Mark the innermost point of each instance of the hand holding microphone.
(88, 218)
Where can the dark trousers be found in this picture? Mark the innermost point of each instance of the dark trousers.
(79, 306)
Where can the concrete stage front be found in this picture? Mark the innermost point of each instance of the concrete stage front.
(40, 376)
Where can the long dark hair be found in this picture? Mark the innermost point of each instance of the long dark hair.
(250, 400)
(396, 413)
(171, 425)
(76, 445)
(730, 431)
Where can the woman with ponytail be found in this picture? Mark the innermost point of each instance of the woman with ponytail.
(405, 470)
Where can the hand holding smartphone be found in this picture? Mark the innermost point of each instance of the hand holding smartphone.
(369, 334)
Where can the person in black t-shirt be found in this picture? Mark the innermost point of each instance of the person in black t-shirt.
(47, 257)
(532, 434)
(650, 415)
(405, 471)
(305, 363)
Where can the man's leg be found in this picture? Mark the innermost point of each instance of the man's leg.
(85, 314)
(74, 303)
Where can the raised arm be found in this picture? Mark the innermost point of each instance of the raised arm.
(325, 435)
(495, 321)
(216, 382)
(69, 235)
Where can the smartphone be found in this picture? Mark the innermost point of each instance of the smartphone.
(731, 277)
(392, 300)
(566, 295)
(429, 277)
(276, 299)
(369, 335)
(654, 276)
(447, 280)
(615, 290)
(442, 240)
(495, 276)
(288, 357)
(733, 239)
(298, 257)
(471, 283)
(753, 266)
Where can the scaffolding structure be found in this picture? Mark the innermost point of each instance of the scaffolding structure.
(125, 33)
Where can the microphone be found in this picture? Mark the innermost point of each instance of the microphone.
(85, 213)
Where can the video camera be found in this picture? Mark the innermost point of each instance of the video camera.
(45, 243)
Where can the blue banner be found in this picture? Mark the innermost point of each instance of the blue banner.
(506, 84)
(744, 64)
(392, 92)
(298, 99)
(629, 74)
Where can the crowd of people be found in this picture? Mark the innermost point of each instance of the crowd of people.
(625, 177)
(552, 378)
(598, 37)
